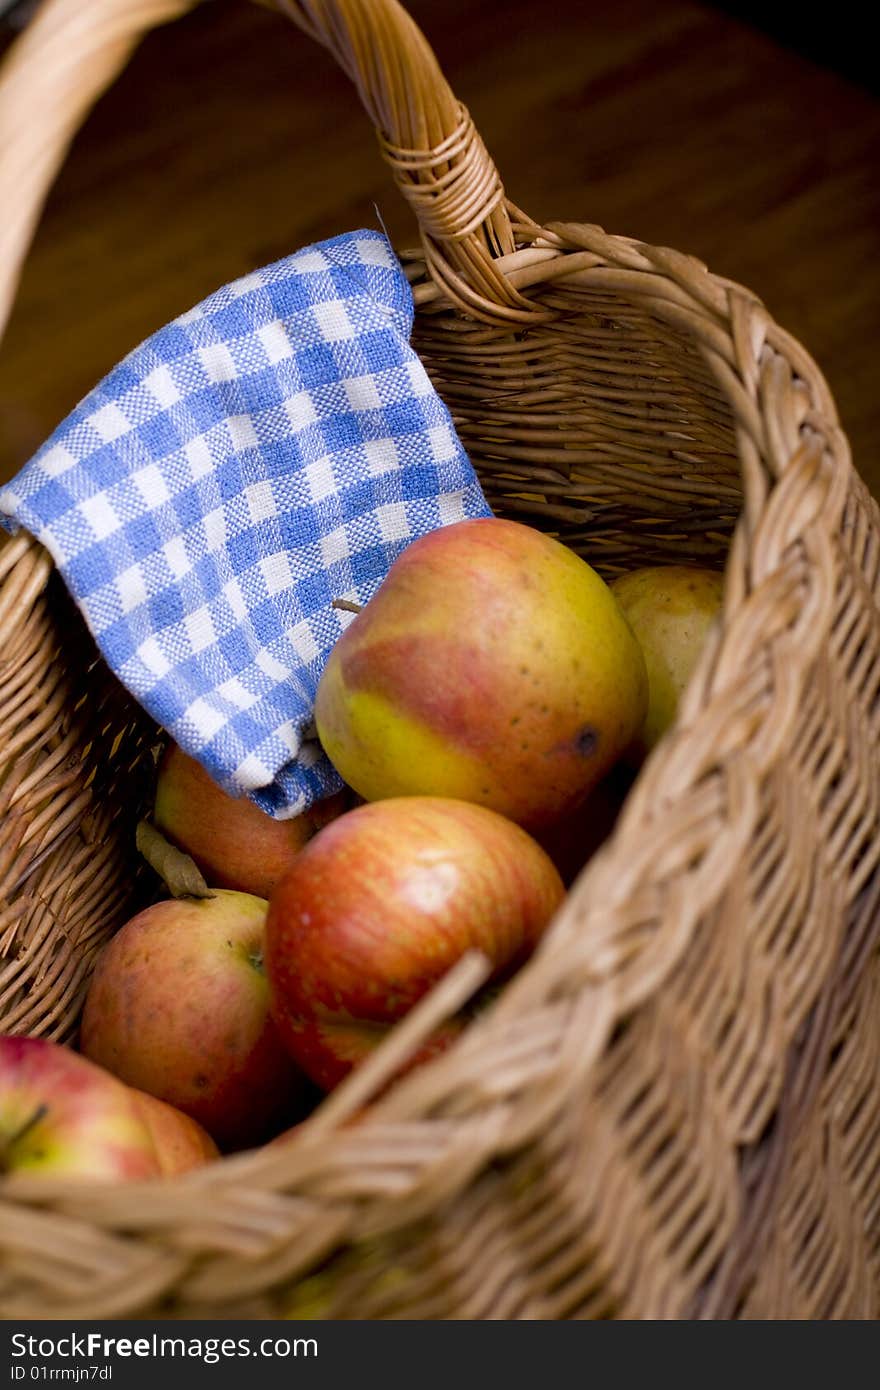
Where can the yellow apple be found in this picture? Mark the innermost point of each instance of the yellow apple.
(670, 609)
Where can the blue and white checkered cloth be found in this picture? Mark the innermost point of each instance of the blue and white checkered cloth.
(273, 449)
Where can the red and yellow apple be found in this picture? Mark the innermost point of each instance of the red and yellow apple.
(178, 1007)
(378, 907)
(62, 1116)
(180, 1143)
(234, 843)
(493, 665)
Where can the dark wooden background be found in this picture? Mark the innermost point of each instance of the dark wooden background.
(231, 141)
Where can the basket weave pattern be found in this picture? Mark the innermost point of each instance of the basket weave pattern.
(673, 1110)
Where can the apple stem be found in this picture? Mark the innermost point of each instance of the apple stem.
(8, 1143)
(178, 872)
(346, 605)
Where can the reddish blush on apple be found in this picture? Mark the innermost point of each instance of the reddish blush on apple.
(233, 842)
(380, 905)
(178, 1007)
(62, 1116)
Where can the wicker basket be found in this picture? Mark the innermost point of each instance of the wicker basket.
(674, 1110)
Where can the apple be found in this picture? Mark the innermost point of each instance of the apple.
(62, 1116)
(571, 843)
(233, 842)
(378, 907)
(670, 608)
(492, 665)
(180, 1143)
(178, 1007)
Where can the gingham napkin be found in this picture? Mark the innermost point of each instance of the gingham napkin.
(273, 449)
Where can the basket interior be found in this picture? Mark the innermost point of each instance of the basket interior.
(602, 426)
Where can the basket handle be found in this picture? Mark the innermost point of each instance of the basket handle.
(71, 52)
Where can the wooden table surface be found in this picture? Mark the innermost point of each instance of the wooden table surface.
(232, 140)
